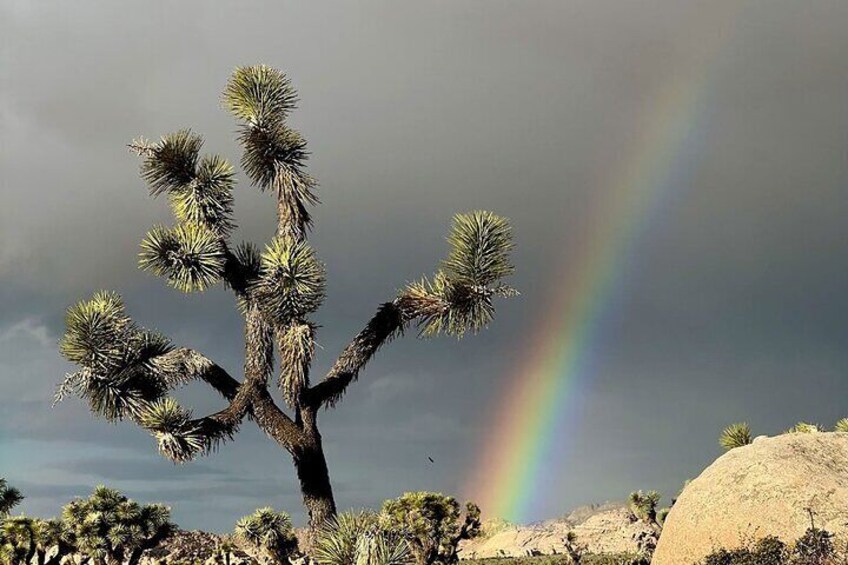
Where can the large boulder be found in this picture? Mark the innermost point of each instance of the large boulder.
(766, 488)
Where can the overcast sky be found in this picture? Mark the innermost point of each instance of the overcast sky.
(733, 306)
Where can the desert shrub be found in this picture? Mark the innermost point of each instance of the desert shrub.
(267, 535)
(841, 426)
(735, 435)
(815, 547)
(432, 525)
(804, 428)
(357, 538)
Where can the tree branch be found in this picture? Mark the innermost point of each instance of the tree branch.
(182, 365)
(389, 320)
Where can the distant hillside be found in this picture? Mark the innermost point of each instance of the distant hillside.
(602, 528)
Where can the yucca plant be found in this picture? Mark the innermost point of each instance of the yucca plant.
(841, 426)
(268, 536)
(804, 428)
(357, 538)
(9, 497)
(432, 524)
(126, 372)
(735, 435)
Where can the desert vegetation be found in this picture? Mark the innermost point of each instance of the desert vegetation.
(815, 547)
(106, 528)
(739, 434)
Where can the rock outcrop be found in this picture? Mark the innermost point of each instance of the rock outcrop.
(607, 529)
(766, 488)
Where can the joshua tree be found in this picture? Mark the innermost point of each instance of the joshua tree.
(357, 538)
(841, 426)
(127, 372)
(9, 498)
(431, 524)
(268, 535)
(111, 529)
(735, 435)
(575, 551)
(644, 506)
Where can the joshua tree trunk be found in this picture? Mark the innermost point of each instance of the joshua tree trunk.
(312, 472)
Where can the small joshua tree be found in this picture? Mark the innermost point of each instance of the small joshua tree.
(841, 426)
(126, 372)
(111, 529)
(357, 538)
(575, 550)
(643, 506)
(268, 536)
(9, 498)
(735, 435)
(432, 525)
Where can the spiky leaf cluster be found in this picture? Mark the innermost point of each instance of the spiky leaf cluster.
(268, 534)
(208, 199)
(200, 189)
(459, 297)
(178, 438)
(735, 435)
(291, 281)
(109, 526)
(481, 243)
(356, 538)
(841, 426)
(190, 256)
(259, 95)
(9, 497)
(117, 375)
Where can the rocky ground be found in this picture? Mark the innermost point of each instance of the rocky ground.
(608, 528)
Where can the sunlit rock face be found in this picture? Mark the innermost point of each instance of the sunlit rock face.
(766, 488)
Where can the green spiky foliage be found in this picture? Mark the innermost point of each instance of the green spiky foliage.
(432, 524)
(458, 298)
(126, 372)
(735, 435)
(643, 505)
(109, 528)
(804, 428)
(841, 426)
(9, 498)
(17, 540)
(357, 538)
(268, 536)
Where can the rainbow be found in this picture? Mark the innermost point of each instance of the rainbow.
(523, 447)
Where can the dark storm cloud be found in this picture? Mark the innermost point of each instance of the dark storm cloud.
(733, 306)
